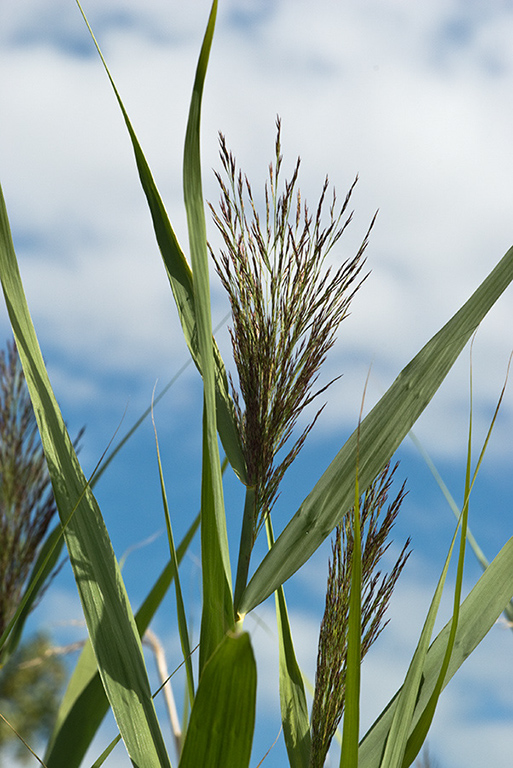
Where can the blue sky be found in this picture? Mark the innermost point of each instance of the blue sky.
(416, 99)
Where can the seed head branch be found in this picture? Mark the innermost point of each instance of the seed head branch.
(287, 305)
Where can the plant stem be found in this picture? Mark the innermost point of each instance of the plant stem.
(246, 544)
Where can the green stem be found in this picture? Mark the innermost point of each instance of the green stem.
(246, 545)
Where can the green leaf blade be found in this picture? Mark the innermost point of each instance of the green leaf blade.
(180, 605)
(294, 709)
(351, 729)
(401, 726)
(84, 703)
(220, 732)
(217, 614)
(107, 611)
(180, 277)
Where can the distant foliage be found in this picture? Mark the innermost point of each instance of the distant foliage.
(30, 689)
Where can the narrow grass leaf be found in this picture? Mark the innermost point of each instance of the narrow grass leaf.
(180, 607)
(20, 737)
(294, 709)
(220, 732)
(478, 552)
(408, 696)
(478, 613)
(127, 436)
(351, 729)
(420, 731)
(84, 704)
(105, 603)
(106, 752)
(217, 614)
(423, 725)
(381, 433)
(52, 546)
(181, 280)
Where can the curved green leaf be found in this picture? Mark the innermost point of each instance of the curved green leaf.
(408, 695)
(107, 611)
(217, 614)
(181, 615)
(181, 280)
(84, 704)
(294, 709)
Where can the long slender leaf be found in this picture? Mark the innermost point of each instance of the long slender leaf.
(479, 611)
(405, 706)
(217, 614)
(126, 437)
(106, 607)
(181, 280)
(478, 552)
(42, 570)
(351, 729)
(423, 725)
(294, 709)
(220, 732)
(106, 752)
(401, 750)
(381, 432)
(84, 704)
(180, 606)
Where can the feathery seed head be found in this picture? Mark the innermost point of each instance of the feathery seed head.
(286, 307)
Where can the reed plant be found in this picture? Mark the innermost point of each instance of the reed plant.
(26, 500)
(287, 305)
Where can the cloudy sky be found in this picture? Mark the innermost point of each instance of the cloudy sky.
(416, 98)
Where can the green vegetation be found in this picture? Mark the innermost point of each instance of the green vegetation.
(286, 309)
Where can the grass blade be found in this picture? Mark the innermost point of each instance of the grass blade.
(401, 750)
(220, 731)
(217, 615)
(181, 280)
(405, 706)
(84, 704)
(106, 607)
(351, 730)
(478, 552)
(52, 546)
(294, 709)
(43, 567)
(381, 433)
(127, 436)
(423, 725)
(180, 607)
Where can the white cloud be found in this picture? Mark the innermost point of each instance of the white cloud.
(404, 95)
(416, 98)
